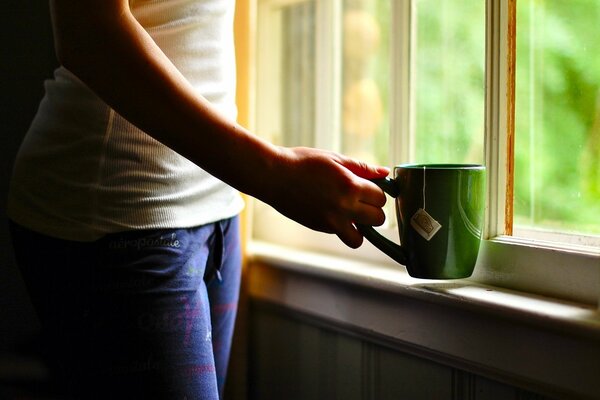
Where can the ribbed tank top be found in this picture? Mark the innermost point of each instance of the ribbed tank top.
(83, 171)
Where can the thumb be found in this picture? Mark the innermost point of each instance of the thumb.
(364, 170)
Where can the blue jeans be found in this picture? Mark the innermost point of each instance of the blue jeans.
(136, 315)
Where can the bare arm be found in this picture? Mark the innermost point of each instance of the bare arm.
(103, 44)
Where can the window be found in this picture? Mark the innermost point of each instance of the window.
(449, 81)
(557, 121)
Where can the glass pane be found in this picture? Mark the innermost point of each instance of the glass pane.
(449, 81)
(366, 79)
(294, 28)
(557, 132)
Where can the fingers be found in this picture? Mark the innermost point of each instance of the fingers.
(363, 214)
(371, 194)
(350, 236)
(368, 215)
(364, 170)
(370, 200)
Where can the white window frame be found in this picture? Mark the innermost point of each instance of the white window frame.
(561, 271)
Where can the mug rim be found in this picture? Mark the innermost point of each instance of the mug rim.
(441, 166)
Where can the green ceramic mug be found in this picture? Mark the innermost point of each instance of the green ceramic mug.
(440, 212)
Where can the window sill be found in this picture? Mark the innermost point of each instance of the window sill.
(541, 343)
(518, 265)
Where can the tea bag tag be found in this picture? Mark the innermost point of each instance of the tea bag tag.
(424, 224)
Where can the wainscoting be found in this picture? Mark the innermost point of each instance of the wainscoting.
(298, 357)
(318, 333)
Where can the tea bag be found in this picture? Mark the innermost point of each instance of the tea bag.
(422, 222)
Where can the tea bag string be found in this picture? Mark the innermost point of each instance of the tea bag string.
(424, 188)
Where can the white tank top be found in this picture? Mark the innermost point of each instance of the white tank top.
(83, 171)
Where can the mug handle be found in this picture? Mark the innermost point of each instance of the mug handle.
(394, 251)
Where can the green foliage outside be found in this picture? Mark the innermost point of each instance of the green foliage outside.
(449, 81)
(557, 152)
(557, 148)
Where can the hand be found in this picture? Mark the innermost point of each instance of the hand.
(327, 192)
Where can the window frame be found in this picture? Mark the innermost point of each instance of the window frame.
(560, 271)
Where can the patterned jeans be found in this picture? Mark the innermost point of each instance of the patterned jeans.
(136, 315)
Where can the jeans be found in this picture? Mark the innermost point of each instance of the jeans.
(136, 315)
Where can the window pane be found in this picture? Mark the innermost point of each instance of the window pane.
(557, 132)
(449, 81)
(366, 79)
(286, 75)
(299, 73)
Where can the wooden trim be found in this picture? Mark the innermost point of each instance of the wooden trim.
(244, 30)
(510, 114)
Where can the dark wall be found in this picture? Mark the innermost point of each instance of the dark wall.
(26, 59)
(298, 357)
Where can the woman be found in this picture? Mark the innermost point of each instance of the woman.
(124, 197)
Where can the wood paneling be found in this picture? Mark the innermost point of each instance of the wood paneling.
(294, 356)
